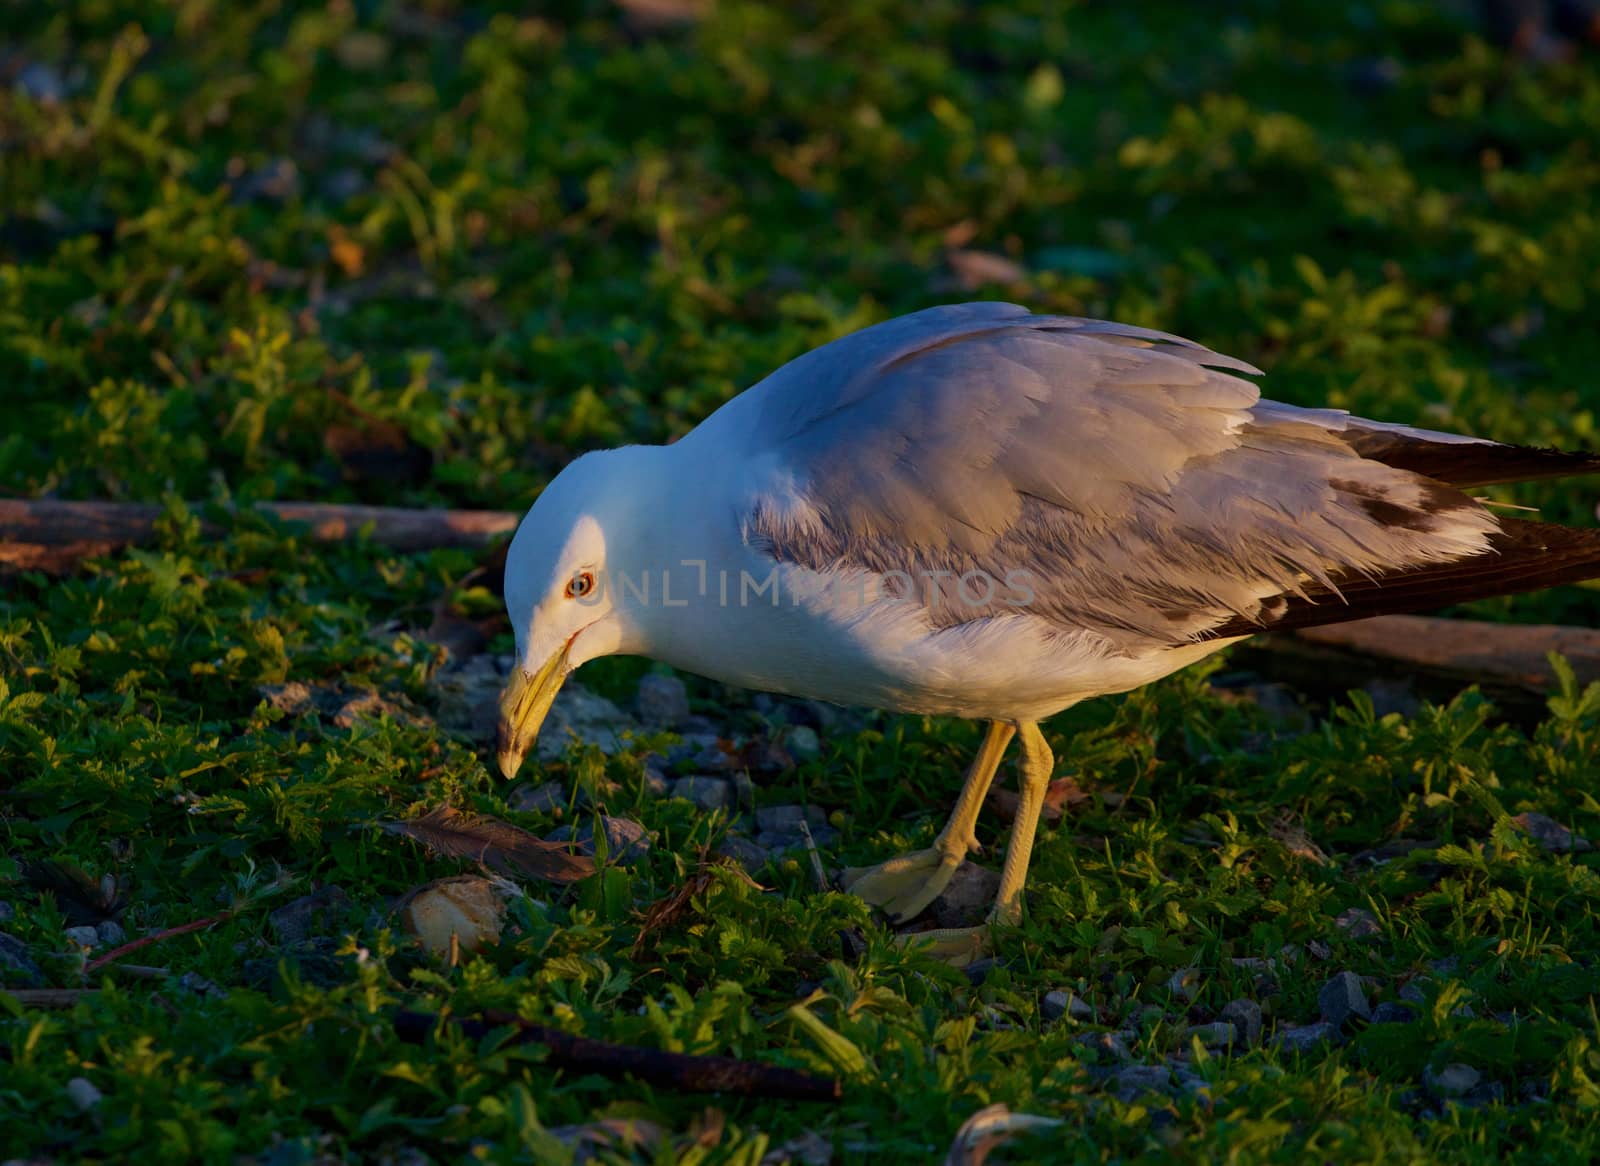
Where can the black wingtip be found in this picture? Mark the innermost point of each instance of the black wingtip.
(1524, 556)
(1470, 463)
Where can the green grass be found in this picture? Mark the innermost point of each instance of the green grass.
(507, 238)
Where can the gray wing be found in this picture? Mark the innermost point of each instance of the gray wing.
(1146, 493)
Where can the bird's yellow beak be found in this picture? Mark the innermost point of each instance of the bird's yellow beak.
(523, 707)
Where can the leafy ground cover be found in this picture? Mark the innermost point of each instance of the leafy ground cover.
(422, 253)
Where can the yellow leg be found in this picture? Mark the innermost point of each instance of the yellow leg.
(961, 945)
(904, 886)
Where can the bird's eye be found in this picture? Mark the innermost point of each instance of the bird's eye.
(580, 585)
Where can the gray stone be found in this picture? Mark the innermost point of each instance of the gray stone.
(42, 82)
(1358, 923)
(1061, 1003)
(82, 936)
(744, 790)
(544, 798)
(627, 841)
(16, 967)
(199, 985)
(1304, 1038)
(663, 701)
(1217, 1034)
(1393, 1012)
(82, 1093)
(7, 912)
(1451, 1080)
(1184, 982)
(804, 743)
(978, 970)
(1414, 992)
(292, 698)
(787, 819)
(1341, 998)
(111, 933)
(656, 782)
(1106, 1046)
(708, 793)
(1245, 1016)
(579, 714)
(807, 1149)
(1137, 1080)
(822, 836)
(310, 916)
(1551, 836)
(968, 898)
(372, 706)
(745, 852)
(715, 759)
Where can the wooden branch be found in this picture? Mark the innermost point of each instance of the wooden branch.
(50, 997)
(117, 953)
(1439, 656)
(1473, 650)
(683, 1071)
(51, 536)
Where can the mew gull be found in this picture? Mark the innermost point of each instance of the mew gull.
(979, 512)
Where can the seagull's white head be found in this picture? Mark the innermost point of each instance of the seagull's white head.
(581, 535)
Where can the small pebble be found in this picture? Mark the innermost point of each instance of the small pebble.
(804, 743)
(310, 916)
(1245, 1016)
(1393, 1012)
(83, 936)
(1341, 998)
(745, 852)
(1184, 982)
(110, 933)
(199, 985)
(1358, 923)
(626, 840)
(656, 782)
(537, 799)
(708, 793)
(663, 701)
(1107, 1046)
(82, 1093)
(1551, 836)
(16, 967)
(1303, 1038)
(1137, 1080)
(1061, 1003)
(1217, 1034)
(787, 819)
(1451, 1080)
(7, 911)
